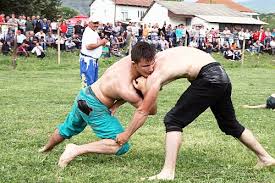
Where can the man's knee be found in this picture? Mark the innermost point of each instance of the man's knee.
(171, 125)
(234, 129)
(123, 149)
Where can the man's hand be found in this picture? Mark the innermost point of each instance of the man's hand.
(140, 84)
(103, 41)
(122, 138)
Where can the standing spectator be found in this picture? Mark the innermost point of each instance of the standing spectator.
(2, 18)
(91, 50)
(45, 26)
(13, 22)
(262, 35)
(273, 33)
(22, 24)
(53, 27)
(241, 36)
(272, 45)
(63, 27)
(227, 34)
(268, 36)
(38, 24)
(70, 29)
(247, 37)
(179, 34)
(29, 25)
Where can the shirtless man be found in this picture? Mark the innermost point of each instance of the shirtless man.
(270, 104)
(94, 104)
(210, 87)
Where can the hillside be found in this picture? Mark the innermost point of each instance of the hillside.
(270, 19)
(82, 6)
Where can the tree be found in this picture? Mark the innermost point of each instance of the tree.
(67, 12)
(46, 8)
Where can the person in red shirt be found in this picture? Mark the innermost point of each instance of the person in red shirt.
(63, 27)
(262, 35)
(2, 18)
(256, 35)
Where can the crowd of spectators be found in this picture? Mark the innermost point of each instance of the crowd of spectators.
(35, 34)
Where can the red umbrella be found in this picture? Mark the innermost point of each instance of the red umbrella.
(82, 18)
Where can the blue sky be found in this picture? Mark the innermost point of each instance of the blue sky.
(239, 1)
(262, 6)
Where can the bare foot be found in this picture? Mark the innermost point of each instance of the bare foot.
(264, 164)
(68, 155)
(161, 176)
(41, 150)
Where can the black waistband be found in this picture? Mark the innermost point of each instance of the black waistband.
(88, 56)
(207, 66)
(90, 91)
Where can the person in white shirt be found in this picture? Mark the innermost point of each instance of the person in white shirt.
(20, 37)
(91, 50)
(38, 50)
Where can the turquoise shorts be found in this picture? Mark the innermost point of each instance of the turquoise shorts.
(99, 119)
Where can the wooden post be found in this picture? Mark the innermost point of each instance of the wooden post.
(14, 50)
(58, 44)
(243, 50)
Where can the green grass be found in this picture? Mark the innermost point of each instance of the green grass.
(37, 95)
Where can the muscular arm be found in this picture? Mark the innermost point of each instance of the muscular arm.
(148, 104)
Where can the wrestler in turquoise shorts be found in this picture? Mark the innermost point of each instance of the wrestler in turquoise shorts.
(99, 119)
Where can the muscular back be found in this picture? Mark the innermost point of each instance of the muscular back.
(179, 62)
(116, 84)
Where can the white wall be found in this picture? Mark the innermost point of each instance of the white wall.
(106, 9)
(197, 20)
(134, 13)
(159, 14)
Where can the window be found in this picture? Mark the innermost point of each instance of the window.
(124, 16)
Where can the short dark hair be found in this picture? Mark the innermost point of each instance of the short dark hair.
(143, 50)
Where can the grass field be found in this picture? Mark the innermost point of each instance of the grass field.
(37, 95)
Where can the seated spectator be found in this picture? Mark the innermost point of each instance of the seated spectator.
(43, 43)
(114, 46)
(22, 49)
(163, 44)
(62, 41)
(6, 48)
(69, 45)
(272, 45)
(20, 37)
(1, 44)
(38, 50)
(106, 50)
(257, 47)
(40, 34)
(193, 43)
(267, 48)
(216, 45)
(77, 41)
(50, 40)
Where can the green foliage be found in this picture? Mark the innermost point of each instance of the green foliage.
(37, 96)
(67, 12)
(270, 19)
(46, 8)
